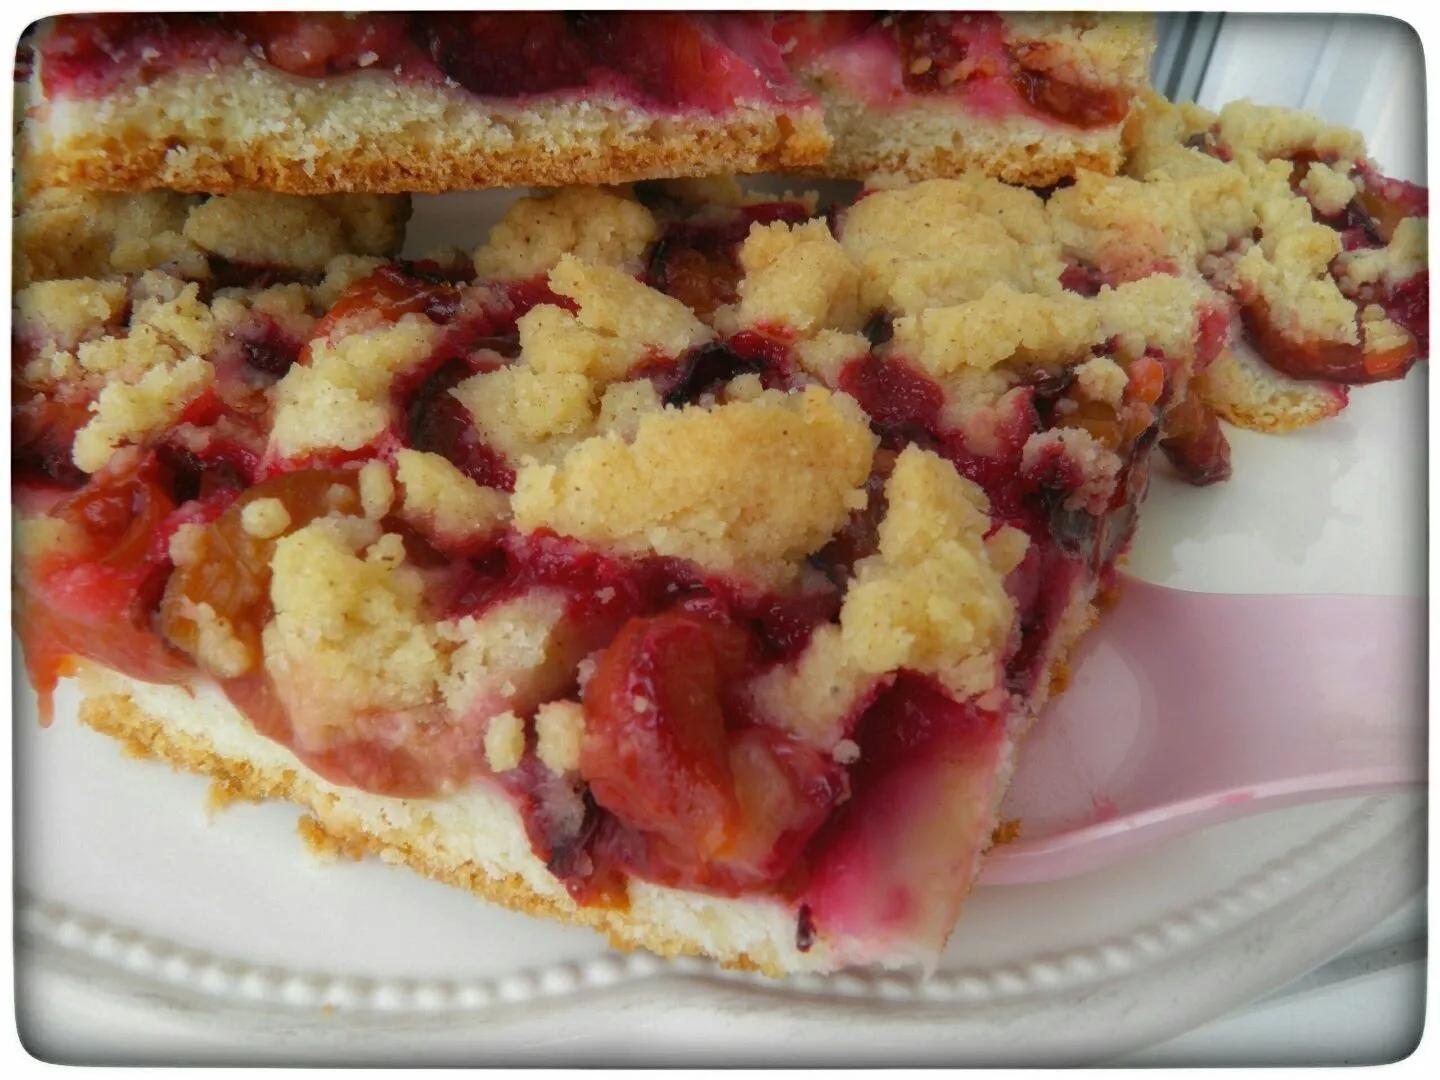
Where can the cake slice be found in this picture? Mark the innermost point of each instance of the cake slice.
(317, 103)
(1324, 257)
(1027, 97)
(70, 233)
(687, 568)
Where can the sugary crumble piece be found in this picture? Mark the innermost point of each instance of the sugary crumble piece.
(797, 277)
(999, 326)
(515, 655)
(1272, 131)
(62, 233)
(559, 728)
(595, 225)
(715, 486)
(128, 412)
(267, 229)
(632, 316)
(1329, 190)
(504, 741)
(1007, 547)
(217, 648)
(1096, 466)
(1101, 379)
(929, 600)
(377, 489)
(943, 242)
(827, 353)
(341, 397)
(550, 398)
(443, 502)
(64, 313)
(348, 636)
(811, 695)
(264, 518)
(1406, 255)
(66, 233)
(1158, 312)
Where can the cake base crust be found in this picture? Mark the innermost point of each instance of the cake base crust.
(251, 127)
(926, 141)
(1251, 394)
(194, 734)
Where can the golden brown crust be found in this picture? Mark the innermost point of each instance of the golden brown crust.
(252, 128)
(1033, 165)
(137, 164)
(1252, 395)
(146, 736)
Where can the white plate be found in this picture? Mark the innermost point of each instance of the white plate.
(150, 931)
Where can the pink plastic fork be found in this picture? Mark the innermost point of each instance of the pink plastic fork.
(1189, 709)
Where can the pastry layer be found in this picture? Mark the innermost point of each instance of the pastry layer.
(474, 840)
(252, 126)
(934, 138)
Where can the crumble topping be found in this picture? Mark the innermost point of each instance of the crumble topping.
(797, 277)
(514, 655)
(1406, 255)
(217, 648)
(348, 635)
(504, 741)
(341, 398)
(595, 225)
(1000, 326)
(624, 320)
(553, 395)
(929, 600)
(1272, 131)
(943, 242)
(825, 354)
(715, 486)
(557, 392)
(1087, 49)
(63, 233)
(303, 233)
(377, 489)
(1097, 466)
(1101, 379)
(64, 313)
(811, 696)
(264, 519)
(559, 729)
(444, 503)
(1158, 312)
(1329, 190)
(127, 412)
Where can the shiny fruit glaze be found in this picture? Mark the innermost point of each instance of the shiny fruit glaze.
(669, 61)
(1074, 103)
(698, 263)
(97, 598)
(655, 750)
(967, 57)
(1195, 443)
(891, 864)
(694, 795)
(1331, 361)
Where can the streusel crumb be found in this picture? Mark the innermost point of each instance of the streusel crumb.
(595, 225)
(716, 486)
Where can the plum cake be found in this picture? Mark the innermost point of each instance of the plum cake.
(687, 564)
(317, 103)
